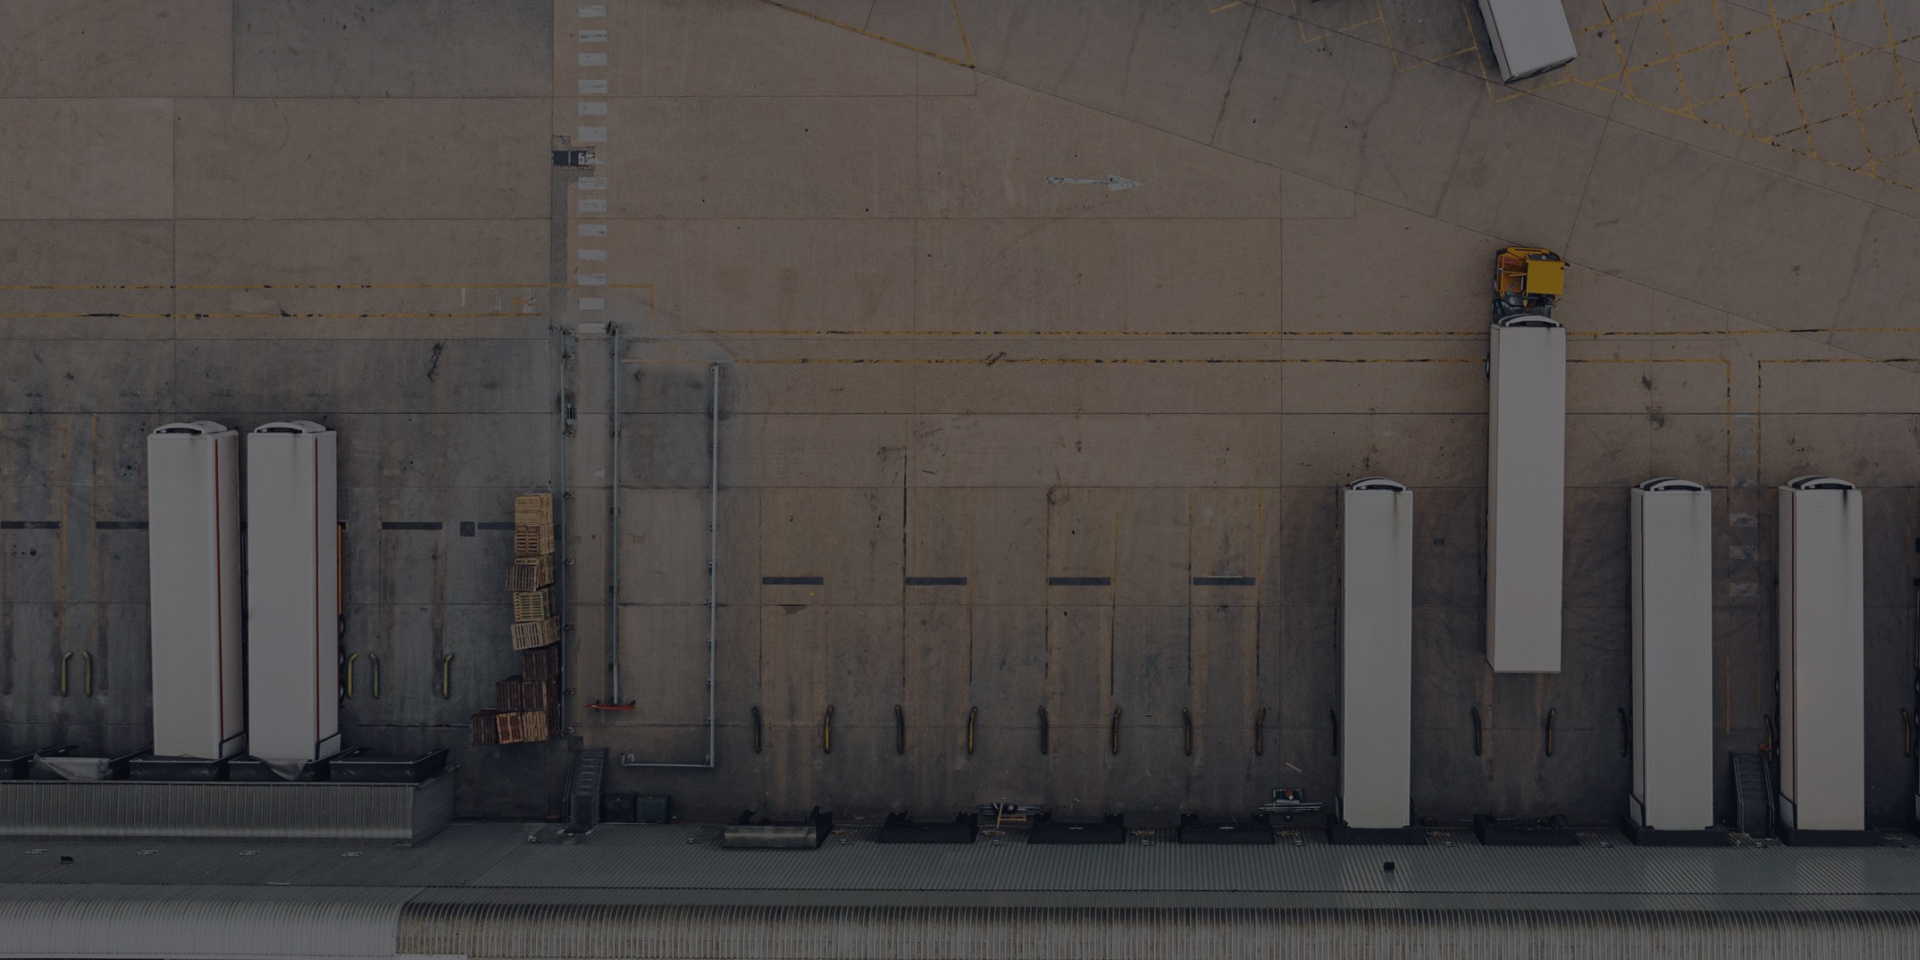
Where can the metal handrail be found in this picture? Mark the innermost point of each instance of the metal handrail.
(1114, 733)
(973, 717)
(614, 535)
(826, 731)
(351, 657)
(446, 677)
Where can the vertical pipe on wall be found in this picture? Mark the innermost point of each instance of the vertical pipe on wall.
(713, 553)
(565, 420)
(613, 515)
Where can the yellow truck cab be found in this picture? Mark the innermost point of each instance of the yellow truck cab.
(1527, 281)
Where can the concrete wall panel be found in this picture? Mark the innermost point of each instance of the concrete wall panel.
(865, 450)
(77, 376)
(940, 544)
(1153, 664)
(355, 48)
(348, 376)
(116, 48)
(851, 539)
(1179, 89)
(1089, 388)
(787, 275)
(990, 155)
(1148, 450)
(1153, 549)
(687, 48)
(739, 158)
(118, 159)
(1434, 263)
(310, 159)
(489, 255)
(1097, 275)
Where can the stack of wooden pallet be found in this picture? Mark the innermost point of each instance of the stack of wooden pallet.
(536, 622)
(529, 708)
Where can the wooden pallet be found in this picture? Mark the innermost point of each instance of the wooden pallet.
(530, 573)
(509, 693)
(540, 663)
(538, 633)
(532, 539)
(528, 726)
(538, 695)
(533, 509)
(535, 725)
(534, 605)
(483, 728)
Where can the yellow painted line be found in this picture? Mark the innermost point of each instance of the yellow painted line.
(1763, 363)
(1068, 361)
(83, 316)
(1648, 360)
(316, 286)
(964, 45)
(261, 316)
(1244, 334)
(1793, 331)
(1091, 334)
(868, 34)
(290, 286)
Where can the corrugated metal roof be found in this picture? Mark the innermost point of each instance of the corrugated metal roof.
(1057, 934)
(366, 811)
(195, 922)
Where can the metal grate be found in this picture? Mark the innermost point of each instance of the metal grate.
(589, 775)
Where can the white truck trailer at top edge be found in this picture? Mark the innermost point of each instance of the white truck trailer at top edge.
(1529, 37)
